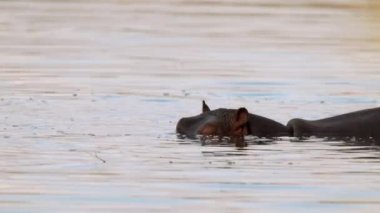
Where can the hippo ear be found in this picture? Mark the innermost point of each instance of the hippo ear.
(241, 117)
(205, 108)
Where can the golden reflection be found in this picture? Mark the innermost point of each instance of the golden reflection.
(374, 19)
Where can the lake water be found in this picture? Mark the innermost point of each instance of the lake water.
(90, 93)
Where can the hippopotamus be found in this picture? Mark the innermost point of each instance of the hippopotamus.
(236, 123)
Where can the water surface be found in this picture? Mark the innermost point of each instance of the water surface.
(90, 92)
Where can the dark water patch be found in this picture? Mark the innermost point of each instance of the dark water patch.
(368, 158)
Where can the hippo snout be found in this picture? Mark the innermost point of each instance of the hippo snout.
(180, 126)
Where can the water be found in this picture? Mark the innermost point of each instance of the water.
(90, 92)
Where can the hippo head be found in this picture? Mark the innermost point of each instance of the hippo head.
(232, 123)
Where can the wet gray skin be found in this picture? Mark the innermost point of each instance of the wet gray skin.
(232, 123)
(364, 125)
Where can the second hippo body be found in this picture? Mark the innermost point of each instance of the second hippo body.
(362, 124)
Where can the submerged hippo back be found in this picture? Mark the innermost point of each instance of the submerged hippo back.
(362, 124)
(264, 127)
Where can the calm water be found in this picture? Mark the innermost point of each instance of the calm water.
(90, 92)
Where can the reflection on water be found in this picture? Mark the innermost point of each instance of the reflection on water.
(90, 92)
